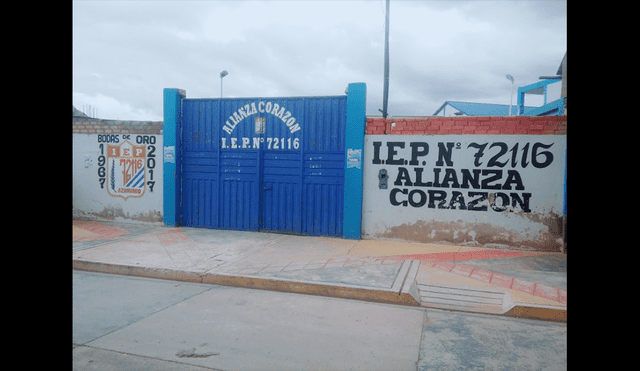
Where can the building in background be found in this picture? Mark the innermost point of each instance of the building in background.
(556, 107)
(452, 108)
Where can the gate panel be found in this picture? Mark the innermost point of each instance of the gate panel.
(200, 164)
(282, 164)
(282, 197)
(275, 164)
(323, 171)
(239, 201)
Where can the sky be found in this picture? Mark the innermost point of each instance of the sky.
(126, 52)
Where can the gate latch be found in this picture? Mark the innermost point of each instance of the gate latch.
(382, 176)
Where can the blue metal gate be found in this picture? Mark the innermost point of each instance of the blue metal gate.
(273, 164)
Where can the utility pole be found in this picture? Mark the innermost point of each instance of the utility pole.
(385, 96)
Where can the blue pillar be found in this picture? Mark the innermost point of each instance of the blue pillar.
(171, 155)
(356, 119)
(520, 100)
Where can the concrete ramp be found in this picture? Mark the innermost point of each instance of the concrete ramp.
(462, 298)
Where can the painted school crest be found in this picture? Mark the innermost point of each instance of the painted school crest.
(125, 170)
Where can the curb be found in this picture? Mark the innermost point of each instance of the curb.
(403, 291)
(538, 312)
(486, 301)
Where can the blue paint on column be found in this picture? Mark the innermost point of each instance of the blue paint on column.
(356, 110)
(171, 155)
(564, 207)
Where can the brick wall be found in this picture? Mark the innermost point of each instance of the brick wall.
(468, 125)
(96, 126)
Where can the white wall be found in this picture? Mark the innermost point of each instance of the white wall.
(102, 192)
(431, 201)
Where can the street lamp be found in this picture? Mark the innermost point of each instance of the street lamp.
(510, 78)
(222, 74)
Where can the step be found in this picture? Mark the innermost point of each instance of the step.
(463, 298)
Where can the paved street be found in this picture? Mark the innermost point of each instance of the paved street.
(122, 322)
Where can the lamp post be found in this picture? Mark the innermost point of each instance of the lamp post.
(510, 78)
(222, 74)
(385, 93)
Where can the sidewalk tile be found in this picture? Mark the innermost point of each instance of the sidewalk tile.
(249, 271)
(444, 266)
(481, 275)
(394, 259)
(353, 262)
(464, 255)
(226, 270)
(462, 270)
(257, 266)
(436, 257)
(563, 296)
(167, 239)
(371, 261)
(524, 286)
(315, 266)
(319, 262)
(446, 256)
(296, 265)
(300, 262)
(292, 267)
(502, 280)
(342, 259)
(178, 235)
(242, 263)
(93, 230)
(334, 264)
(547, 292)
(390, 261)
(271, 270)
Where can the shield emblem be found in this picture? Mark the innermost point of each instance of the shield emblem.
(126, 170)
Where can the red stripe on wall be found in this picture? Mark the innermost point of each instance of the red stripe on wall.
(472, 125)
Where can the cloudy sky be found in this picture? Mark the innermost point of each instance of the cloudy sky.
(126, 52)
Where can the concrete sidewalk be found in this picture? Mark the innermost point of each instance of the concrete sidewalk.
(501, 282)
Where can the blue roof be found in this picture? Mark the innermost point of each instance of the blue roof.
(483, 109)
